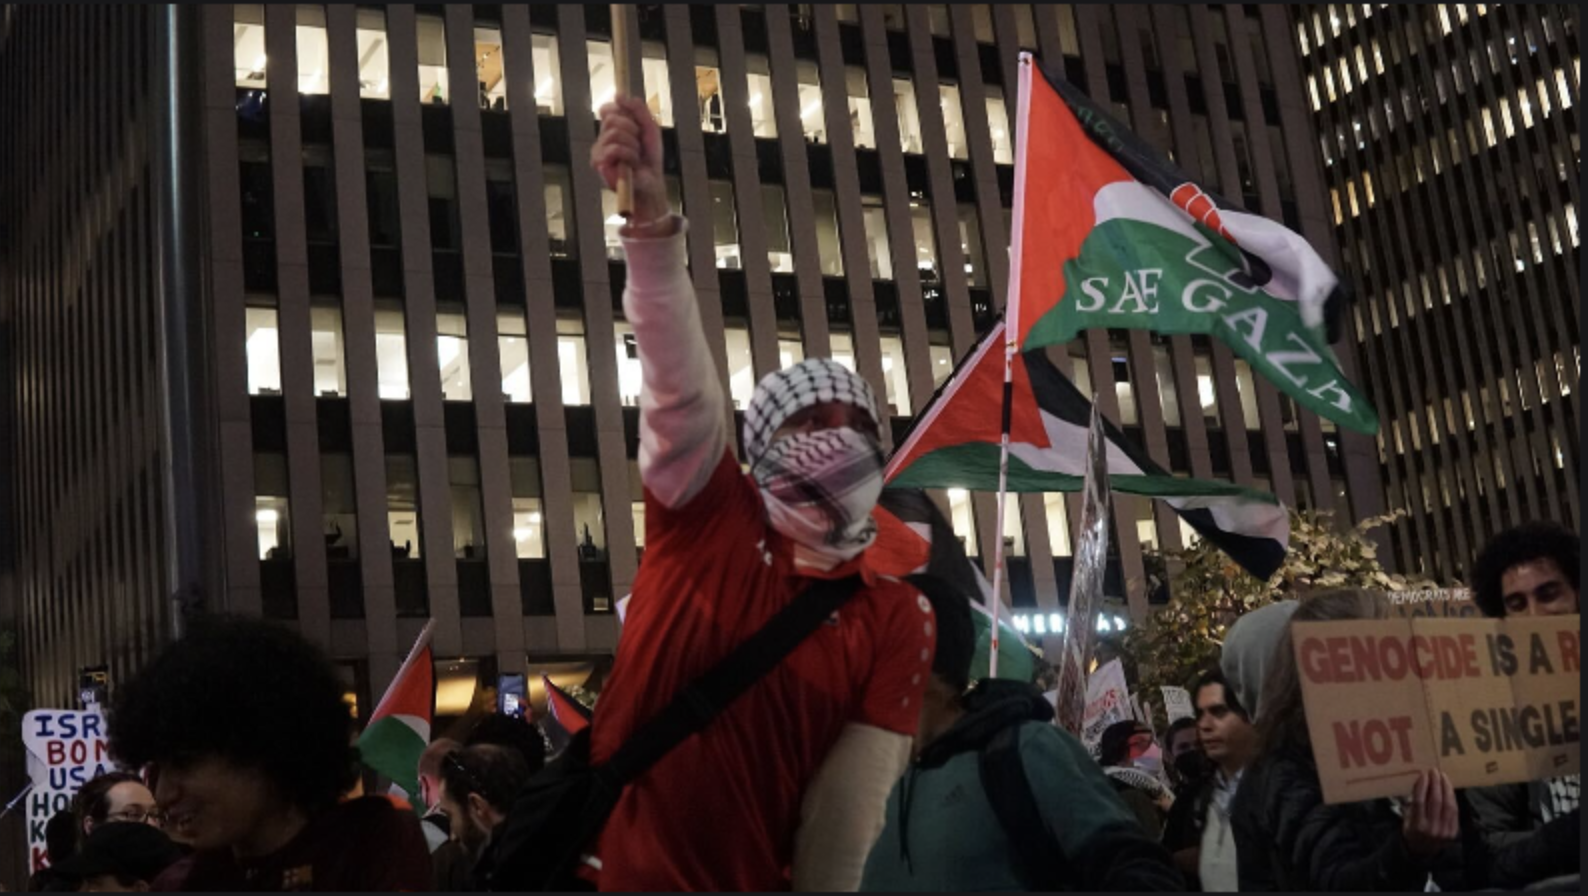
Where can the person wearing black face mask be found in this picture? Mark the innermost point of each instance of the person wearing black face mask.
(1182, 754)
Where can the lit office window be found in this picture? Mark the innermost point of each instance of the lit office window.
(263, 346)
(942, 357)
(338, 506)
(1058, 524)
(849, 12)
(725, 225)
(248, 45)
(1014, 527)
(1207, 396)
(630, 377)
(468, 512)
(741, 366)
(402, 506)
(998, 125)
(875, 224)
(895, 377)
(432, 37)
(658, 86)
(452, 354)
(588, 519)
(925, 240)
(963, 521)
(909, 115)
(812, 120)
(529, 527)
(860, 107)
(827, 245)
(603, 84)
(612, 226)
(330, 366)
(763, 121)
(1163, 368)
(843, 350)
(953, 121)
(391, 353)
(270, 507)
(970, 244)
(314, 59)
(547, 62)
(1247, 387)
(512, 347)
(774, 217)
(559, 212)
(488, 68)
(1124, 389)
(573, 365)
(708, 91)
(893, 16)
(373, 63)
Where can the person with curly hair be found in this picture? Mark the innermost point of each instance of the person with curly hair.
(1528, 832)
(243, 729)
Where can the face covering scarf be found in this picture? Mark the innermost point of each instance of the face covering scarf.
(820, 489)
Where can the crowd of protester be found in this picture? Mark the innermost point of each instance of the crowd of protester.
(864, 758)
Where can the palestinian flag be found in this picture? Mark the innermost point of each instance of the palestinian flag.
(399, 730)
(1119, 238)
(565, 716)
(913, 537)
(956, 444)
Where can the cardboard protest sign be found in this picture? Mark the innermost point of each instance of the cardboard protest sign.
(1487, 701)
(1177, 703)
(1107, 702)
(66, 749)
(1445, 603)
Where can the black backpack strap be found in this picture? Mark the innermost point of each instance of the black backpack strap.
(692, 708)
(1039, 859)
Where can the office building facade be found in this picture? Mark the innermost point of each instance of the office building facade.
(422, 391)
(1449, 135)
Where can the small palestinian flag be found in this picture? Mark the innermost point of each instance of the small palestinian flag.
(1108, 234)
(564, 717)
(913, 537)
(399, 730)
(956, 444)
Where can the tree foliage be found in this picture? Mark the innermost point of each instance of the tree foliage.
(1208, 592)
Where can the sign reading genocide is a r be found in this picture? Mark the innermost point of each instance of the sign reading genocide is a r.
(1487, 701)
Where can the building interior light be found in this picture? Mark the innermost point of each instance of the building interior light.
(267, 517)
(615, 220)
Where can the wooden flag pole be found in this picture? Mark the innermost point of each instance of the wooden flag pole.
(620, 79)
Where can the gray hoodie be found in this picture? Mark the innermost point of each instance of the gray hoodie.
(1248, 648)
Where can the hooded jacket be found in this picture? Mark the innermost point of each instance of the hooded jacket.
(942, 833)
(1247, 649)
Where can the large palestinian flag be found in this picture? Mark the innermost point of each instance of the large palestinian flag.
(399, 730)
(956, 443)
(1108, 234)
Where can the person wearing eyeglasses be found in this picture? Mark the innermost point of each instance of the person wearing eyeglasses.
(478, 785)
(114, 796)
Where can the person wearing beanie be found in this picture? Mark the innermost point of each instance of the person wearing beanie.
(121, 857)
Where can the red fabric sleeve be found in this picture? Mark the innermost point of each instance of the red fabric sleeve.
(905, 639)
(728, 498)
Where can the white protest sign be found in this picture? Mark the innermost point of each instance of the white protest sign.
(66, 749)
(1107, 702)
(1177, 703)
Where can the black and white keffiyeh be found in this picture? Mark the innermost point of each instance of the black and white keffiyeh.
(1561, 797)
(783, 393)
(829, 480)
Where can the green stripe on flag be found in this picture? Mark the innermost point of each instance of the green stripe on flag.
(392, 747)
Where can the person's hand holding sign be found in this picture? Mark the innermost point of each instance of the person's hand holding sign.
(1431, 819)
(631, 141)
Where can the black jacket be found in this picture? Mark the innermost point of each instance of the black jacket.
(1507, 842)
(1287, 840)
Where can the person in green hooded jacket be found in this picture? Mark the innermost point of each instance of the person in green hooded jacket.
(949, 819)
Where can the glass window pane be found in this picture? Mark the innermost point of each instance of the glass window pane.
(338, 506)
(827, 246)
(611, 224)
(1167, 395)
(248, 45)
(548, 73)
(963, 521)
(432, 37)
(942, 24)
(630, 378)
(953, 121)
(998, 124)
(330, 368)
(875, 223)
(925, 240)
(774, 216)
(843, 350)
(314, 61)
(529, 531)
(512, 346)
(763, 120)
(708, 91)
(790, 351)
(588, 519)
(860, 108)
(402, 506)
(981, 18)
(1069, 40)
(1058, 524)
(391, 353)
(1025, 26)
(909, 115)
(895, 377)
(1207, 396)
(741, 369)
(658, 87)
(488, 68)
(942, 363)
(893, 16)
(373, 64)
(263, 345)
(725, 225)
(970, 243)
(1124, 389)
(559, 211)
(573, 364)
(468, 514)
(452, 354)
(603, 85)
(319, 196)
(812, 120)
(1014, 530)
(270, 506)
(1248, 389)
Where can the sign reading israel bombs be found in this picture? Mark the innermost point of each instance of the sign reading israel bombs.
(1487, 701)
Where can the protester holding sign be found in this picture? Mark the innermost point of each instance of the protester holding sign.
(1288, 839)
(245, 731)
(1527, 832)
